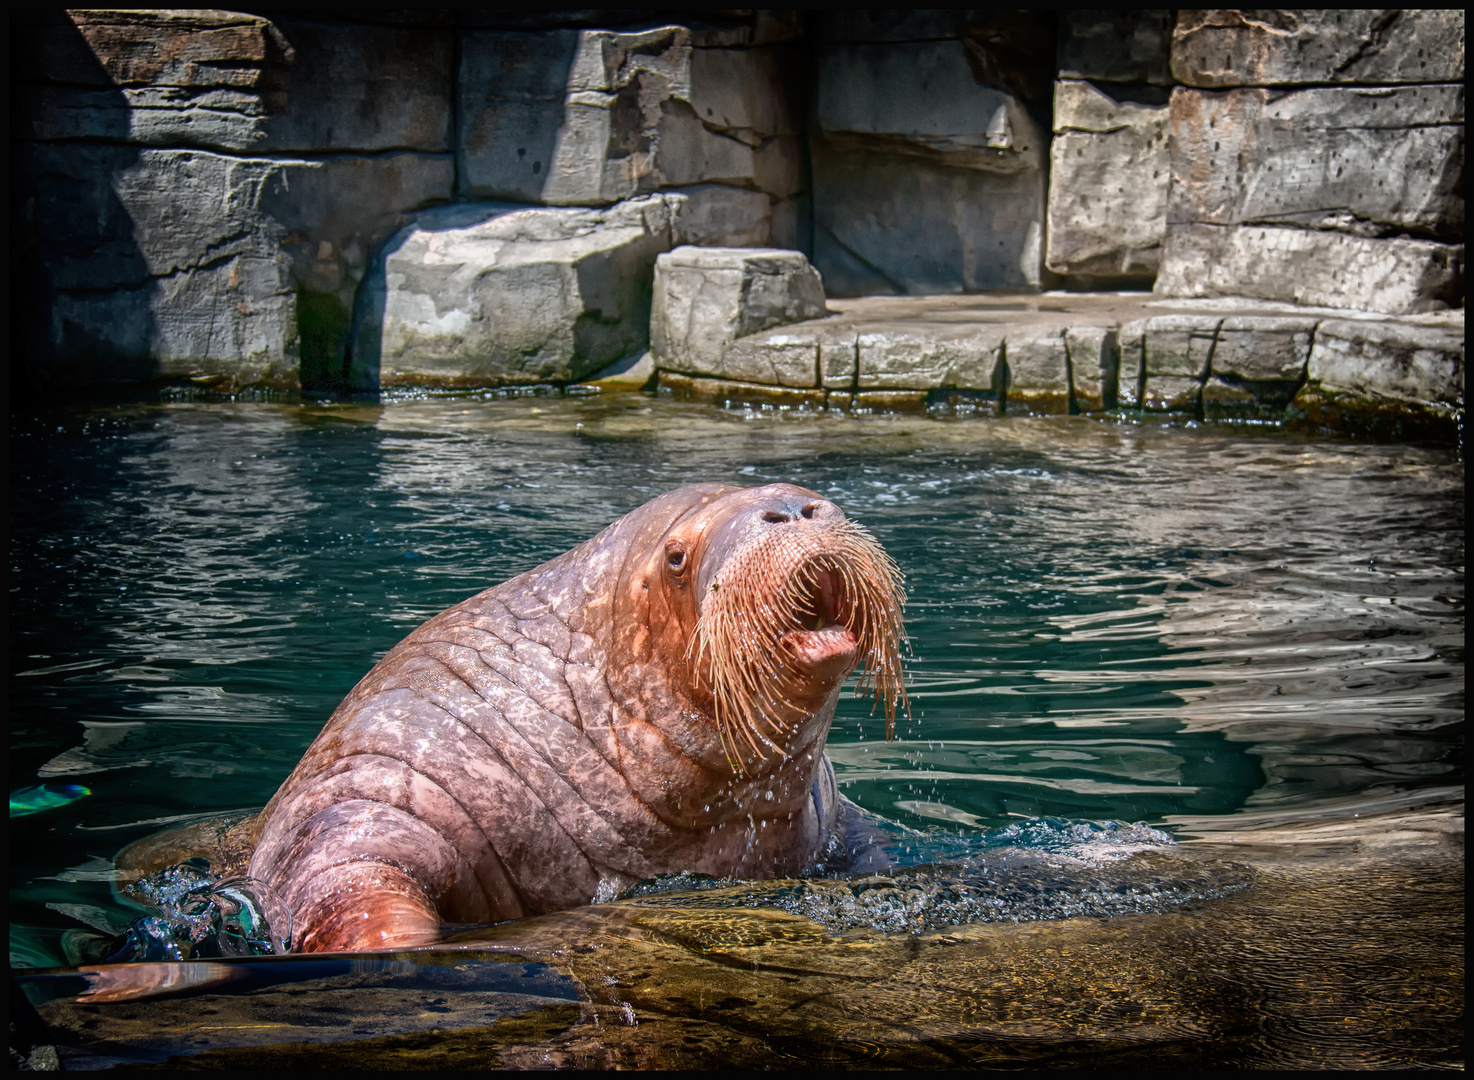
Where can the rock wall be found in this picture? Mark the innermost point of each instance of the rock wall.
(1318, 158)
(200, 194)
(930, 144)
(241, 198)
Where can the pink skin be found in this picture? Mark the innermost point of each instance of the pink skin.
(545, 743)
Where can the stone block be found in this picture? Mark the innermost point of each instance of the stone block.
(1368, 161)
(1108, 181)
(773, 359)
(887, 224)
(839, 361)
(1259, 348)
(493, 295)
(1179, 345)
(1131, 363)
(1121, 45)
(1295, 46)
(912, 360)
(1095, 363)
(1038, 377)
(1314, 267)
(1390, 360)
(1171, 393)
(705, 299)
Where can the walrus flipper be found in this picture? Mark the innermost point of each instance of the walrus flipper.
(225, 841)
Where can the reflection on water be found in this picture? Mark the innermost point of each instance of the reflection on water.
(1190, 627)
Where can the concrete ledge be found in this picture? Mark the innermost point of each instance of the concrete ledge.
(1024, 353)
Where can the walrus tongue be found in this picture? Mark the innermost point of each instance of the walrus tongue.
(822, 654)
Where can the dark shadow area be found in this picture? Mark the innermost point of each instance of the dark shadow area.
(81, 296)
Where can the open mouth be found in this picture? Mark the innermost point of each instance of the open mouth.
(822, 640)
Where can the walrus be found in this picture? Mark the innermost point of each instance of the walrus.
(654, 701)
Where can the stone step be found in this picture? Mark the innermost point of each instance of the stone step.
(1056, 352)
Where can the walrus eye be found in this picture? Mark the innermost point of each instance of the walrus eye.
(675, 556)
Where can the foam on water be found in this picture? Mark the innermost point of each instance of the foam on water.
(1040, 869)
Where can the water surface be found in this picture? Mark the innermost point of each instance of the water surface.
(1198, 628)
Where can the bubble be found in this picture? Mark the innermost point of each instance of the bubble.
(198, 918)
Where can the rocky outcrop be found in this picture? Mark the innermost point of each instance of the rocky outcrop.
(929, 160)
(240, 173)
(479, 197)
(1289, 189)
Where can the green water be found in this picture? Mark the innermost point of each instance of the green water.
(1171, 624)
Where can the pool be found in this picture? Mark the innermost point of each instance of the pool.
(1200, 628)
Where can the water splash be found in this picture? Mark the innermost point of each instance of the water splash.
(1035, 870)
(199, 918)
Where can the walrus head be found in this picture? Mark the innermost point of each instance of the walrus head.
(762, 601)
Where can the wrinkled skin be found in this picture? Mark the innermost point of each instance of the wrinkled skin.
(546, 743)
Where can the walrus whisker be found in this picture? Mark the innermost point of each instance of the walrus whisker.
(836, 575)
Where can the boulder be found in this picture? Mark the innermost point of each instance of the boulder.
(1288, 47)
(488, 295)
(1108, 180)
(706, 299)
(1120, 45)
(1314, 267)
(1367, 161)
(589, 117)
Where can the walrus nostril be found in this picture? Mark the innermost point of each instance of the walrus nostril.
(810, 509)
(776, 517)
